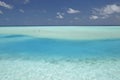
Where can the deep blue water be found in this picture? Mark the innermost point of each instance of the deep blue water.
(56, 47)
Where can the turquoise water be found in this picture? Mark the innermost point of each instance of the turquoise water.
(30, 58)
(59, 48)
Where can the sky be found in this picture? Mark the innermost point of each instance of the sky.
(60, 12)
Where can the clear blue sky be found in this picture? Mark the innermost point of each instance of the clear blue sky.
(59, 12)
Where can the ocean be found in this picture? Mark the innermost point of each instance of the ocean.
(58, 54)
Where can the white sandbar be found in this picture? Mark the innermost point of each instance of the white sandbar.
(73, 33)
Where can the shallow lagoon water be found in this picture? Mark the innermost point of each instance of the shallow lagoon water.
(61, 48)
(27, 57)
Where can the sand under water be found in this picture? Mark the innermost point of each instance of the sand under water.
(60, 69)
(29, 57)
